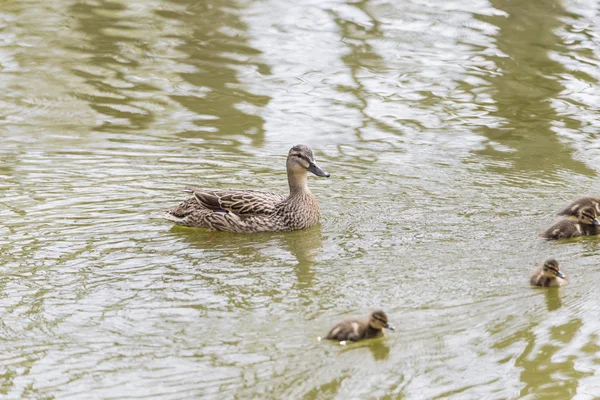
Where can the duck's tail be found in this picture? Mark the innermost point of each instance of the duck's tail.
(170, 217)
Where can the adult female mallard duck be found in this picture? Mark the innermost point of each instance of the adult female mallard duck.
(255, 210)
(353, 329)
(548, 275)
(582, 221)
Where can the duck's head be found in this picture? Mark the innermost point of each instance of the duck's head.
(379, 320)
(552, 270)
(588, 215)
(300, 159)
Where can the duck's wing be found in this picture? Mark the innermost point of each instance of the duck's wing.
(345, 330)
(184, 209)
(238, 201)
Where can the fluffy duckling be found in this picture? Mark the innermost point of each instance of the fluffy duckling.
(353, 329)
(582, 221)
(548, 275)
(574, 207)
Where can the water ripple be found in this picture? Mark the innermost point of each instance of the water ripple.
(452, 131)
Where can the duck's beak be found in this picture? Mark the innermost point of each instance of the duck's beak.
(315, 169)
(596, 222)
(390, 327)
(560, 275)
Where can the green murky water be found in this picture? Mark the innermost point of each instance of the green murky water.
(453, 131)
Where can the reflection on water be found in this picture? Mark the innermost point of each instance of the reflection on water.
(454, 132)
(304, 246)
(113, 89)
(379, 350)
(524, 90)
(216, 56)
(545, 372)
(553, 301)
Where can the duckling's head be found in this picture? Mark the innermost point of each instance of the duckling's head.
(552, 270)
(379, 320)
(300, 159)
(588, 215)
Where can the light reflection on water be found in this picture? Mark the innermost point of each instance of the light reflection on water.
(453, 132)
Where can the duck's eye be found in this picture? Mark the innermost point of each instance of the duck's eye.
(300, 157)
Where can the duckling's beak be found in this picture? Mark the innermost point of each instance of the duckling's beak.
(560, 275)
(595, 221)
(315, 169)
(390, 327)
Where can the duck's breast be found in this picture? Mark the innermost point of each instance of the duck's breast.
(300, 212)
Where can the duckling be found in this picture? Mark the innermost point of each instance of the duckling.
(548, 275)
(583, 221)
(353, 329)
(571, 210)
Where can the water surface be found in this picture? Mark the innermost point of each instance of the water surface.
(453, 132)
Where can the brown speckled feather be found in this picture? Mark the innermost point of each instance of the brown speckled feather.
(239, 201)
(291, 214)
(249, 211)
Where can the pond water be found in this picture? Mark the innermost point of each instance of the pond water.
(453, 132)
